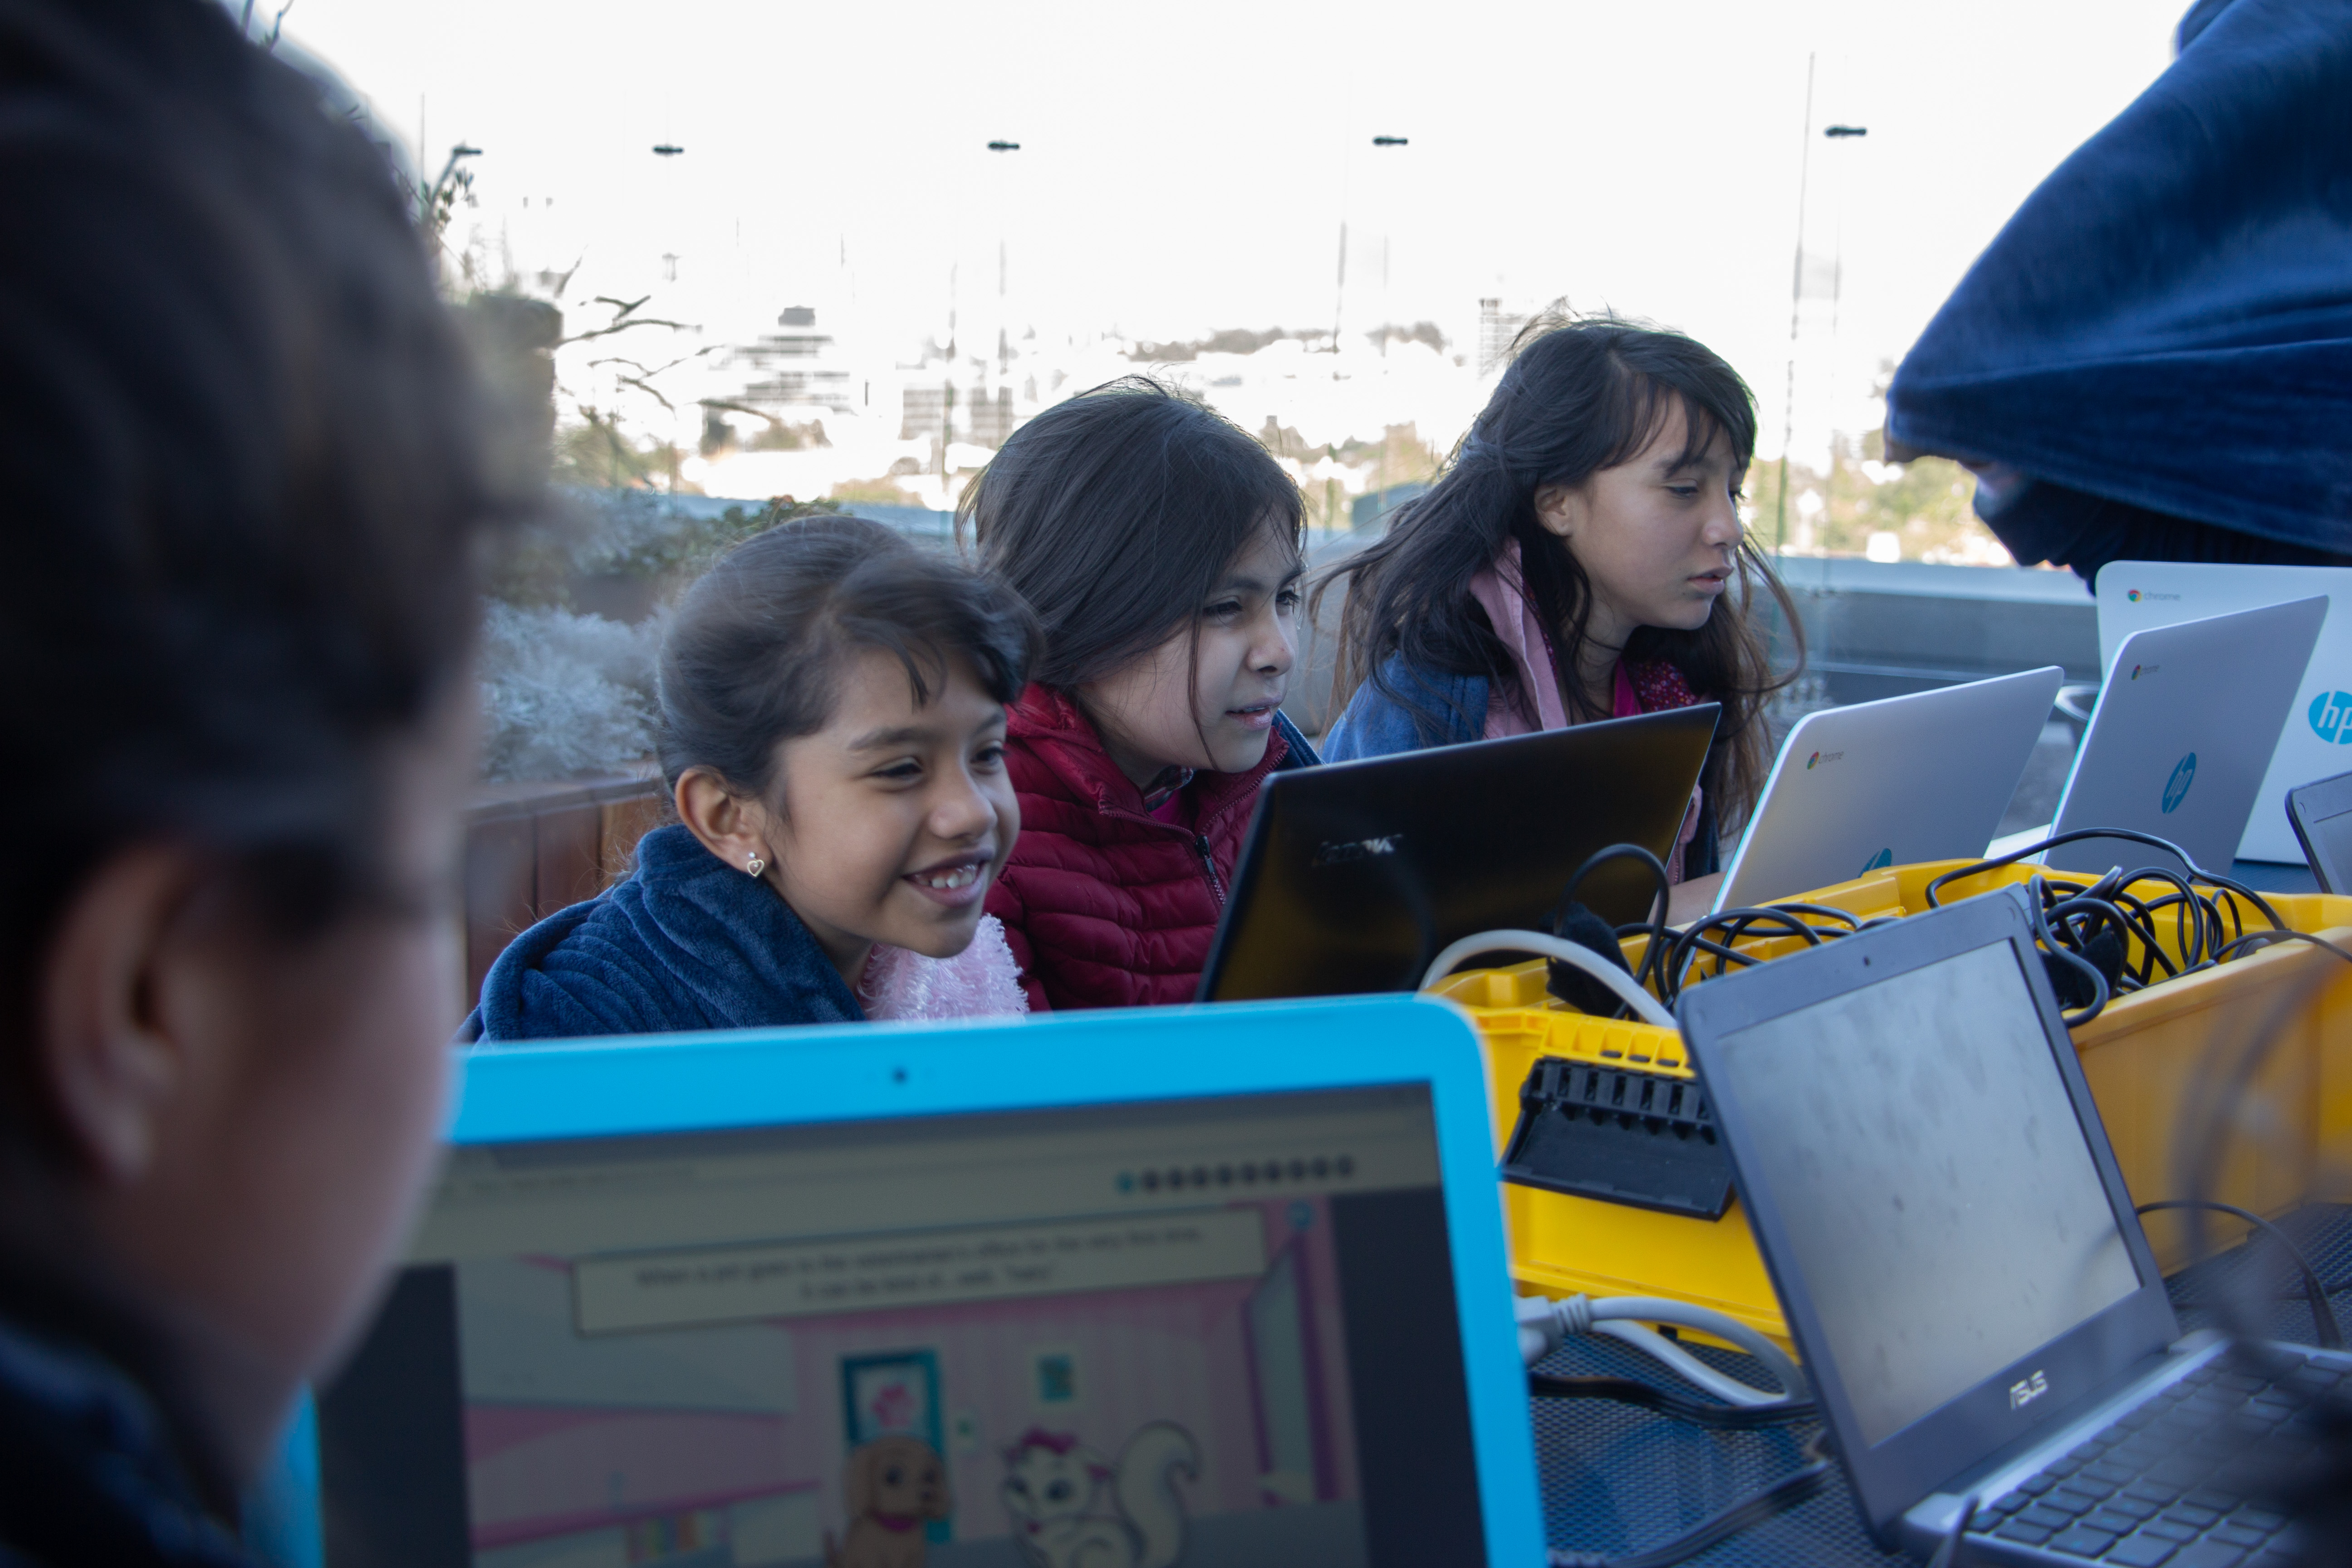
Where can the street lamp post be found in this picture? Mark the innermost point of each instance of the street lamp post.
(1002, 362)
(1796, 300)
(1388, 228)
(1837, 298)
(1796, 297)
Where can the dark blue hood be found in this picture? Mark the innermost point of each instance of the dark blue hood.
(685, 942)
(92, 1472)
(2166, 324)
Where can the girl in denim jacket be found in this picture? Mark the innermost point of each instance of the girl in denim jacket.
(1582, 558)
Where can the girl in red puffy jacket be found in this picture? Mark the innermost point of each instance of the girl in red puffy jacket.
(1159, 544)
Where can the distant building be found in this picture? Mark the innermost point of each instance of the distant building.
(1498, 329)
(992, 419)
(925, 412)
(936, 409)
(793, 369)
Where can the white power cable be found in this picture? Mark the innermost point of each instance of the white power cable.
(1647, 1007)
(1730, 1390)
(1544, 1323)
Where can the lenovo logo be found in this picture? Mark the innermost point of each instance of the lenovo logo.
(2026, 1389)
(1356, 849)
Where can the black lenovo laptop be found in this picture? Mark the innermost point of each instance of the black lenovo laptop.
(1356, 875)
(1969, 1288)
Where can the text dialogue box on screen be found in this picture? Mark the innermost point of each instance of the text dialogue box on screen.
(850, 1274)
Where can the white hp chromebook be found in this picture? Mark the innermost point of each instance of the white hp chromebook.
(2184, 731)
(1923, 777)
(2135, 595)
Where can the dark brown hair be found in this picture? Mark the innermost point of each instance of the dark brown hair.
(1580, 395)
(755, 655)
(246, 473)
(247, 490)
(1116, 513)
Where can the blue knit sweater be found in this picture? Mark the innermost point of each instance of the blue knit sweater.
(686, 942)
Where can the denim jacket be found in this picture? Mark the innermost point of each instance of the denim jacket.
(1375, 724)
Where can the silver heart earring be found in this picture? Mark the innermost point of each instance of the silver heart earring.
(756, 866)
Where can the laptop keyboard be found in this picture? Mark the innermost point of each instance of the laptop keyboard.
(2168, 1486)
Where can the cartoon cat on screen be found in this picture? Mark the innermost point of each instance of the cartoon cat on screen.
(1054, 1493)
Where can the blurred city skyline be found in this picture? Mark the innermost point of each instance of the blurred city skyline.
(1177, 176)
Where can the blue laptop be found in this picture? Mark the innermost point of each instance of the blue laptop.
(1127, 1288)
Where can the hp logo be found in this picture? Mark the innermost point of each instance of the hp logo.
(2331, 717)
(2175, 788)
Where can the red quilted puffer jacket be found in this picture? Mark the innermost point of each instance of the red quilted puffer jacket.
(1104, 905)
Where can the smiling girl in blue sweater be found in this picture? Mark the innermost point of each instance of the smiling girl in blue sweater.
(833, 712)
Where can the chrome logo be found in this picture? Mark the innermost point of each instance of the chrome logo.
(2175, 788)
(2133, 594)
(1810, 761)
(2331, 717)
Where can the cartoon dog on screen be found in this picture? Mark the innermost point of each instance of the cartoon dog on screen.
(1054, 1496)
(893, 1486)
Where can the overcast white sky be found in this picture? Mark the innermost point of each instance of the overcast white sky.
(1185, 167)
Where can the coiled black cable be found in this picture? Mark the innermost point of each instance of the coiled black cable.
(1655, 927)
(2324, 1327)
(2198, 873)
(2073, 913)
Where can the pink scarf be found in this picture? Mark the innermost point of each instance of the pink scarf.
(984, 981)
(1501, 591)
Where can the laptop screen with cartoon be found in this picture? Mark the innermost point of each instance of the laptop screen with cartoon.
(1119, 1333)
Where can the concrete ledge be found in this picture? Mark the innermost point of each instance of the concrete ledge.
(1846, 574)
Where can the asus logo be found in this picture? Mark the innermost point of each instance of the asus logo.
(1356, 849)
(2026, 1389)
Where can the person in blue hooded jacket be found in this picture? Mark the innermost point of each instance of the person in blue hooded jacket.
(832, 712)
(2153, 360)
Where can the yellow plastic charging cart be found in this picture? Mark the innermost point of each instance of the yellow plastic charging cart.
(1631, 1096)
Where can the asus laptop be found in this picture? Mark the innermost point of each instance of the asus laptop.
(1923, 777)
(2135, 595)
(1354, 875)
(2321, 813)
(2187, 721)
(1136, 1286)
(1960, 1268)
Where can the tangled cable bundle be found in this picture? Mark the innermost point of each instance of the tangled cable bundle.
(2105, 935)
